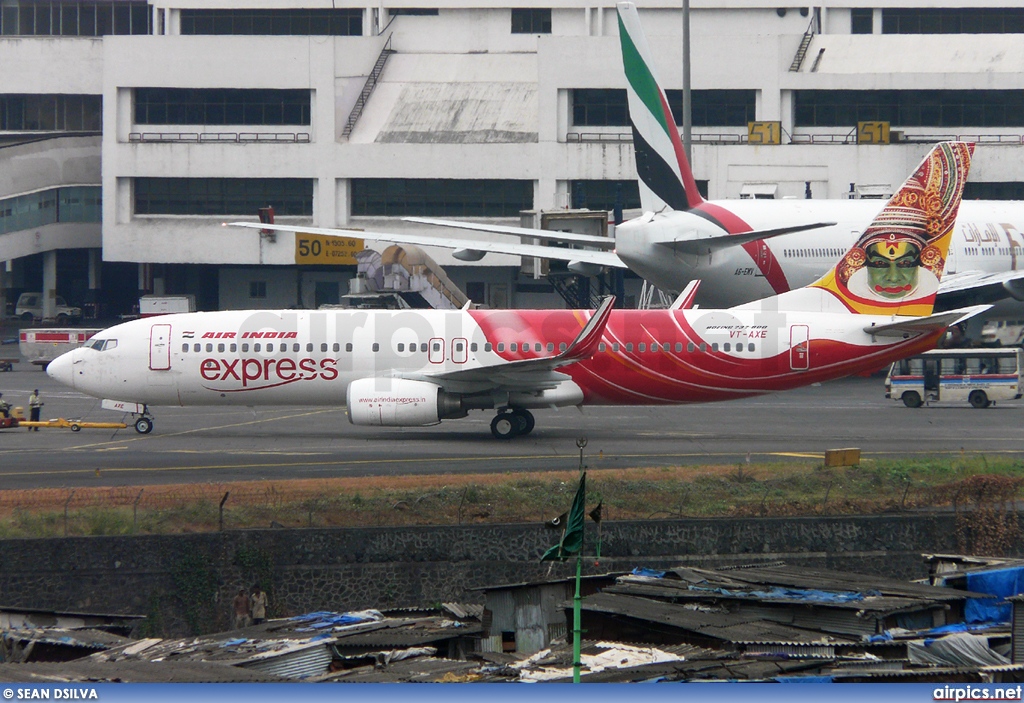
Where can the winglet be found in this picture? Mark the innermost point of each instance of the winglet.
(585, 344)
(685, 299)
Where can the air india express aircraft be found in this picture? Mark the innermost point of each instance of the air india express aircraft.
(741, 250)
(418, 367)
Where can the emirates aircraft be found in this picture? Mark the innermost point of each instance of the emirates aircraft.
(418, 367)
(740, 250)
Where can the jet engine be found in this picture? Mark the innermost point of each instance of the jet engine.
(399, 402)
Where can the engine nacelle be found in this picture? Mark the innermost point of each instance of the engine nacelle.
(398, 402)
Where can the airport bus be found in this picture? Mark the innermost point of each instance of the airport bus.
(977, 376)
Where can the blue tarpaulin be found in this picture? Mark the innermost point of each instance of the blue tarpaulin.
(1001, 583)
(640, 571)
(808, 595)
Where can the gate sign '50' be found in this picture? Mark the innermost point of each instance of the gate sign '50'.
(317, 249)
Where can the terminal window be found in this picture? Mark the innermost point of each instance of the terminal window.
(861, 20)
(447, 197)
(295, 22)
(531, 20)
(222, 106)
(73, 19)
(223, 196)
(70, 204)
(606, 107)
(51, 113)
(910, 108)
(953, 20)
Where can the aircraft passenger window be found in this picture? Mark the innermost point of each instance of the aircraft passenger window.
(437, 346)
(615, 347)
(726, 347)
(551, 346)
(401, 347)
(309, 346)
(537, 347)
(472, 346)
(220, 347)
(690, 347)
(714, 346)
(641, 347)
(256, 347)
(629, 346)
(501, 346)
(563, 346)
(703, 346)
(513, 347)
(323, 347)
(423, 347)
(234, 347)
(750, 347)
(679, 347)
(601, 347)
(184, 347)
(488, 347)
(270, 347)
(458, 346)
(245, 347)
(654, 346)
(296, 347)
(376, 347)
(337, 347)
(348, 347)
(209, 347)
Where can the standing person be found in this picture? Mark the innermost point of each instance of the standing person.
(5, 407)
(259, 605)
(241, 608)
(35, 405)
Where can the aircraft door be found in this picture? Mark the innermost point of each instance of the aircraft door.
(160, 348)
(460, 350)
(799, 347)
(435, 350)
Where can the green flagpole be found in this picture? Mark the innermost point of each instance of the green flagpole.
(576, 630)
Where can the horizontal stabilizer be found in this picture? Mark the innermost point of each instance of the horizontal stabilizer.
(545, 234)
(922, 325)
(706, 245)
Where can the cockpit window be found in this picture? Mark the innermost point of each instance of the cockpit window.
(101, 344)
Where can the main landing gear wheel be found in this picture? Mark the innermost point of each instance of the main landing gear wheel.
(525, 420)
(512, 423)
(144, 425)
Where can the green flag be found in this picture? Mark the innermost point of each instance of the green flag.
(571, 543)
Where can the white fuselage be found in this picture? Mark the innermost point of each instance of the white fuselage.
(988, 238)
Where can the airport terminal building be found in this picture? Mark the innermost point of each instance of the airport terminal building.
(130, 131)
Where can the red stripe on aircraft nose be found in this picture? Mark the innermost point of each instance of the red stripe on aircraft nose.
(769, 267)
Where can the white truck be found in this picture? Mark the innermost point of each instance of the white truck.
(151, 305)
(30, 309)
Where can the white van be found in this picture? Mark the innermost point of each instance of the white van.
(30, 309)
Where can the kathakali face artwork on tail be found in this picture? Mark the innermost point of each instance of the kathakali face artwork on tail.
(896, 264)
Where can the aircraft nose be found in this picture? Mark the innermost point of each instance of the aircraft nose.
(61, 369)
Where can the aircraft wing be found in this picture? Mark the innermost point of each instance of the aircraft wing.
(546, 234)
(708, 244)
(572, 256)
(980, 285)
(930, 323)
(533, 374)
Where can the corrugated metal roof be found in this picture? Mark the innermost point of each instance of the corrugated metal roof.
(299, 663)
(132, 672)
(730, 627)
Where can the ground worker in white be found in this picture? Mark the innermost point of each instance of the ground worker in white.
(35, 405)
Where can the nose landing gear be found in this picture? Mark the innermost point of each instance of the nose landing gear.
(511, 423)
